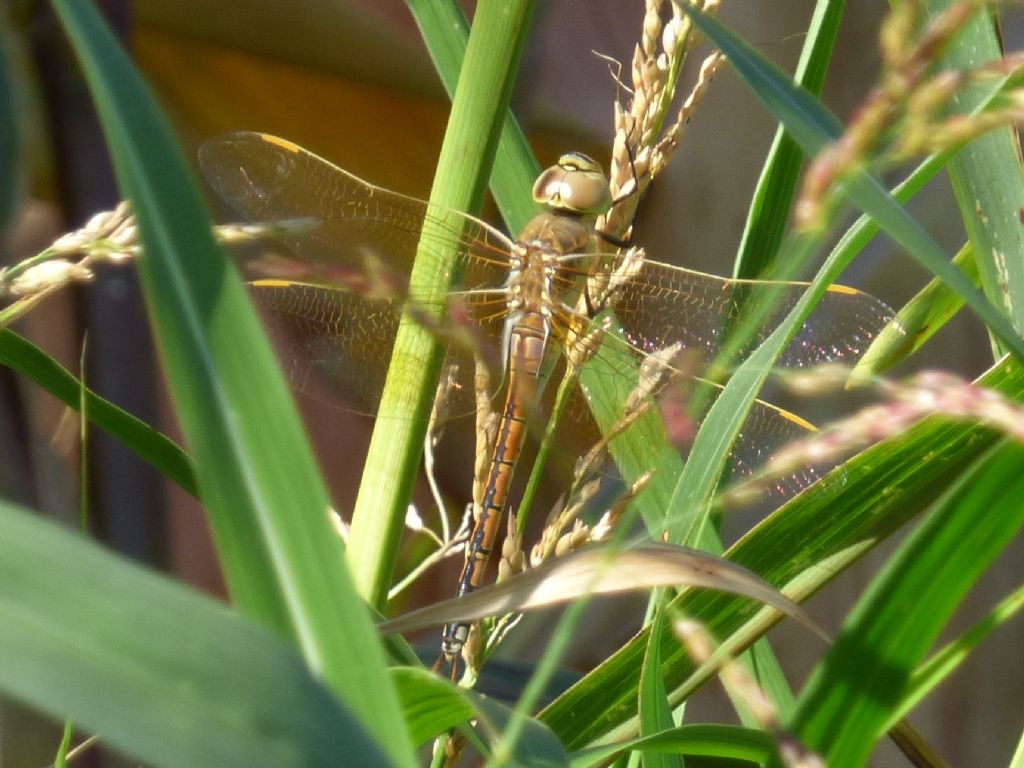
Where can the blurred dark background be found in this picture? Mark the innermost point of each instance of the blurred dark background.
(350, 80)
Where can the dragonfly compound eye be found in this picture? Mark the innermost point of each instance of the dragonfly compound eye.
(576, 184)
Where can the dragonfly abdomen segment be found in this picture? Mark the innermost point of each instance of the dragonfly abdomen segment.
(526, 351)
(527, 344)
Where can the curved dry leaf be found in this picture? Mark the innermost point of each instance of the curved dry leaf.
(602, 570)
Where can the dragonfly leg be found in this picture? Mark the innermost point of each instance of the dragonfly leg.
(451, 659)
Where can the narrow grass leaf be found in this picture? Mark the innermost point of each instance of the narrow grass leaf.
(850, 697)
(769, 211)
(944, 662)
(152, 446)
(164, 674)
(689, 507)
(743, 746)
(256, 474)
(655, 712)
(60, 760)
(445, 31)
(481, 102)
(918, 320)
(986, 176)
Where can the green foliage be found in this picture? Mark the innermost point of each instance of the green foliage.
(294, 673)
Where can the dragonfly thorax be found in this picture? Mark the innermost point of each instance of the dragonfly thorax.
(530, 281)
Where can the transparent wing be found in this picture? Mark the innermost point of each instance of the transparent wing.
(335, 307)
(334, 338)
(664, 305)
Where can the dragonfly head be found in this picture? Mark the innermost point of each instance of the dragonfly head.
(576, 184)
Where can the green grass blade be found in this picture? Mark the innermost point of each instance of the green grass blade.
(813, 126)
(481, 102)
(948, 659)
(152, 446)
(918, 320)
(445, 30)
(769, 211)
(433, 706)
(1017, 761)
(642, 447)
(61, 758)
(986, 176)
(829, 526)
(744, 746)
(164, 674)
(654, 710)
(255, 470)
(843, 709)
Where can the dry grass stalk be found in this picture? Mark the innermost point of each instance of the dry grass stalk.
(703, 649)
(512, 560)
(911, 96)
(109, 236)
(604, 527)
(112, 237)
(435, 429)
(642, 146)
(486, 432)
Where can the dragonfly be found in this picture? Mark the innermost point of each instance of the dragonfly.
(528, 296)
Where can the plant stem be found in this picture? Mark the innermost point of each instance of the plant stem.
(481, 101)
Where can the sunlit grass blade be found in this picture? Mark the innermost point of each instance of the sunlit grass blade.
(154, 447)
(164, 674)
(947, 659)
(695, 486)
(812, 126)
(653, 707)
(445, 30)
(433, 706)
(769, 211)
(480, 106)
(918, 320)
(61, 758)
(256, 474)
(726, 742)
(986, 176)
(846, 704)
(801, 547)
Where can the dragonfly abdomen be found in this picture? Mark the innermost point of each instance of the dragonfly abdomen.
(527, 345)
